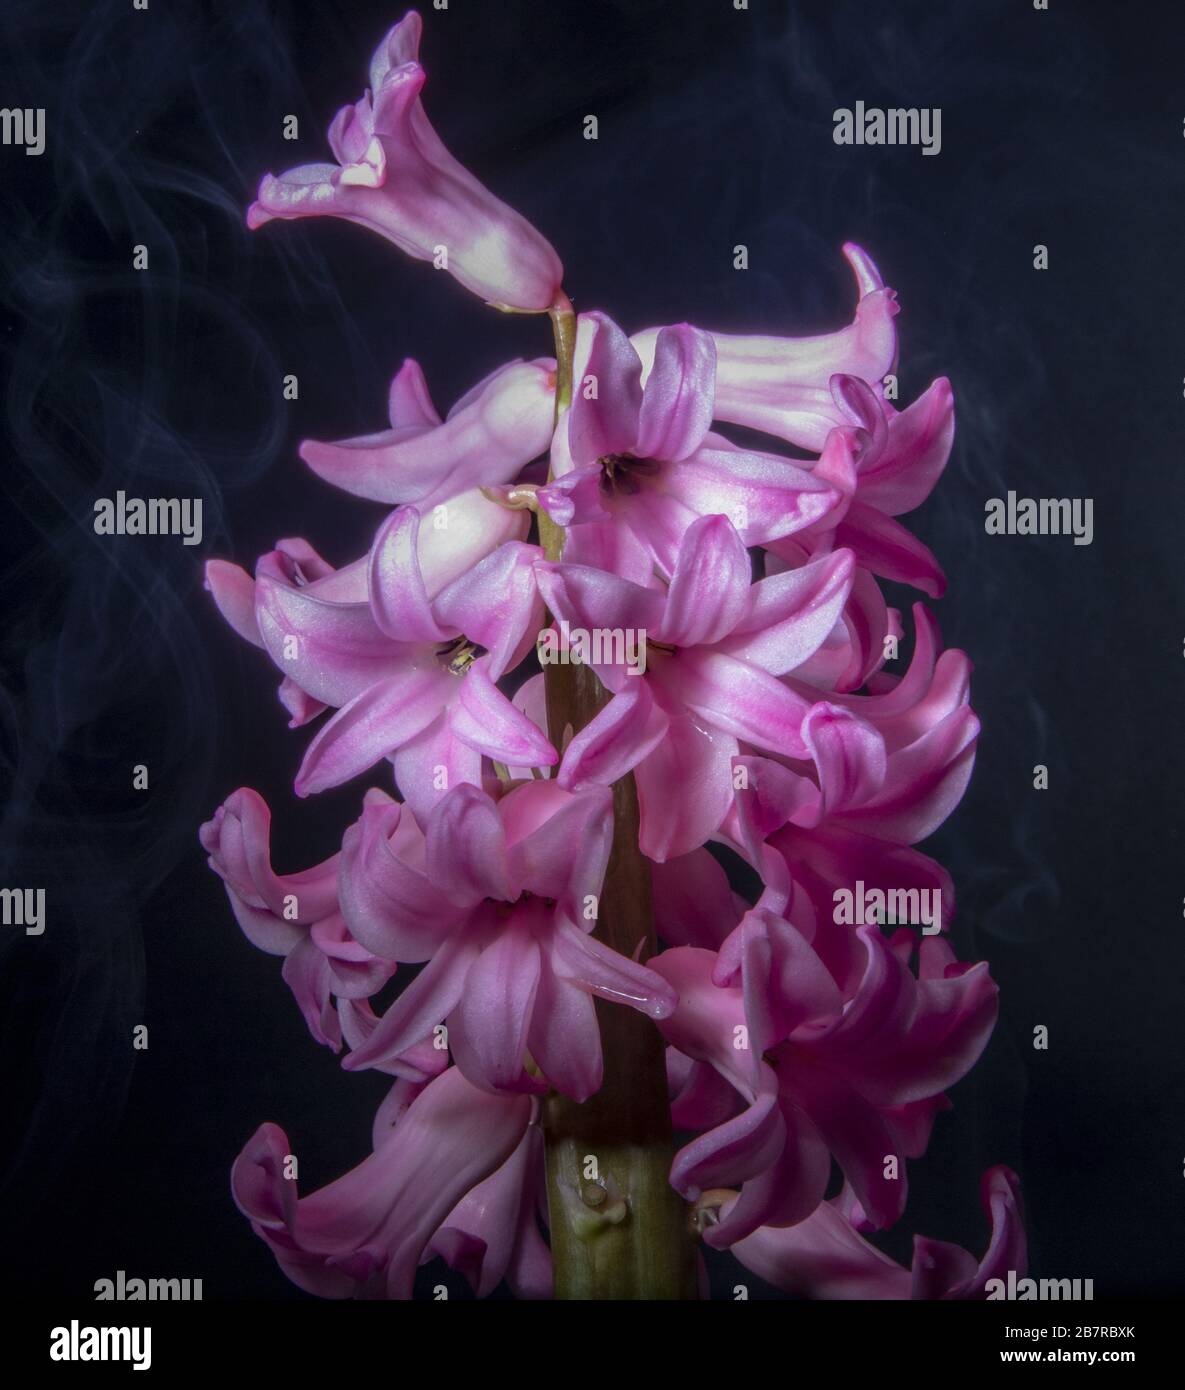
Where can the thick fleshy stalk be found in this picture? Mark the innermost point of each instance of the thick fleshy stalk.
(618, 1228)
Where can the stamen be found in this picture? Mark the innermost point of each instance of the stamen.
(519, 498)
(705, 1212)
(621, 473)
(457, 657)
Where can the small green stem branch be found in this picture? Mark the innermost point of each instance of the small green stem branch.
(563, 323)
(618, 1229)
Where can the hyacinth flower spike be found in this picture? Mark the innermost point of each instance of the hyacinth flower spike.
(532, 932)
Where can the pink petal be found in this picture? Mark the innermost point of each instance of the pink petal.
(303, 708)
(427, 1001)
(708, 1022)
(741, 1148)
(432, 763)
(594, 968)
(822, 1257)
(238, 841)
(465, 848)
(700, 1097)
(1000, 1196)
(405, 185)
(787, 616)
(928, 1033)
(398, 599)
(855, 1133)
(886, 548)
(419, 1064)
(390, 904)
(925, 783)
(684, 787)
(488, 1029)
(333, 651)
(486, 720)
(608, 422)
(786, 986)
(608, 545)
(530, 699)
(830, 858)
(558, 841)
(234, 594)
(915, 453)
(409, 402)
(464, 530)
(615, 740)
(565, 1038)
(765, 497)
(738, 698)
(781, 385)
(497, 605)
(710, 586)
(658, 521)
(785, 1191)
(849, 757)
(480, 1236)
(488, 442)
(677, 403)
(380, 719)
(590, 599)
(306, 973)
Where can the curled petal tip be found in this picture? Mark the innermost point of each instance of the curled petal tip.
(868, 277)
(660, 1008)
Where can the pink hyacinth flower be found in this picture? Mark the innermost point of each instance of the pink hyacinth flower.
(821, 1075)
(465, 530)
(296, 563)
(493, 1232)
(804, 389)
(499, 898)
(782, 386)
(899, 788)
(717, 645)
(407, 644)
(296, 916)
(643, 459)
(395, 177)
(824, 1257)
(364, 1235)
(490, 435)
(882, 772)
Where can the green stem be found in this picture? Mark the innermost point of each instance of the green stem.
(563, 323)
(618, 1228)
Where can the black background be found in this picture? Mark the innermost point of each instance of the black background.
(1061, 127)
